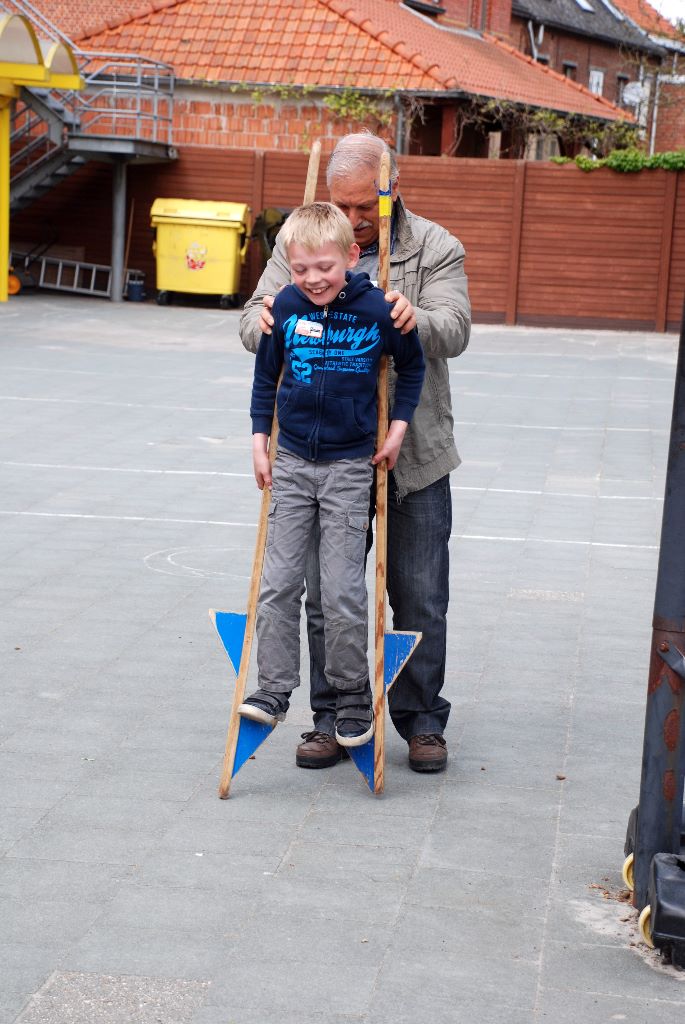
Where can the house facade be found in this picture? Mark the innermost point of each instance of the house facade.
(620, 49)
(667, 87)
(276, 76)
(623, 50)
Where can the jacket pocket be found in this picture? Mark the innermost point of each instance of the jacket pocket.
(340, 423)
(296, 411)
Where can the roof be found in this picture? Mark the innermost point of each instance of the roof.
(649, 19)
(370, 44)
(78, 17)
(602, 21)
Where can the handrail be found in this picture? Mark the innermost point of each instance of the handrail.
(125, 95)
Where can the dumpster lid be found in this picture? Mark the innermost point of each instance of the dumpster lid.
(215, 211)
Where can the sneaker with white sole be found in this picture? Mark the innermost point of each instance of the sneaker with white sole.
(353, 718)
(265, 706)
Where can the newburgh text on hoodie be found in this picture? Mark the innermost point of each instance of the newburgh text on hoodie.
(327, 402)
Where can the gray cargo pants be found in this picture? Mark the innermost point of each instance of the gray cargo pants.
(337, 493)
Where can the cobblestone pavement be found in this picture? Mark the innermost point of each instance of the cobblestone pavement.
(491, 893)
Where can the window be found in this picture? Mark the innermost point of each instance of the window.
(570, 69)
(621, 83)
(596, 81)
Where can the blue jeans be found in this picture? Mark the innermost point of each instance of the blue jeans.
(419, 529)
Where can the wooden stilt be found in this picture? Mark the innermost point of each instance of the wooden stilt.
(385, 210)
(258, 563)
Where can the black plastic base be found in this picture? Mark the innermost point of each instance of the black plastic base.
(667, 902)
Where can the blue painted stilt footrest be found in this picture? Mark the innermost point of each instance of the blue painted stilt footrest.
(250, 736)
(397, 650)
(231, 629)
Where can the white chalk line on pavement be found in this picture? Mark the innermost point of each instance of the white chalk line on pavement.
(125, 469)
(222, 522)
(146, 471)
(247, 377)
(232, 410)
(125, 519)
(123, 405)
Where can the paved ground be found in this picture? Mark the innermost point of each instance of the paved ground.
(128, 891)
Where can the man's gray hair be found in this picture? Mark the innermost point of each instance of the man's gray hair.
(361, 150)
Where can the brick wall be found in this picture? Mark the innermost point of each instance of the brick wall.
(670, 123)
(218, 118)
(469, 14)
(582, 51)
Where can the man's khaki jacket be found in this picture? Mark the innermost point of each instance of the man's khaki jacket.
(427, 266)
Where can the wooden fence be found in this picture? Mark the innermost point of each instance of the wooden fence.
(546, 244)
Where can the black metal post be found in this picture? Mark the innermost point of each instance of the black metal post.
(660, 812)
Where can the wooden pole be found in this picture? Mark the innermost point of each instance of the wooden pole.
(312, 174)
(258, 563)
(385, 212)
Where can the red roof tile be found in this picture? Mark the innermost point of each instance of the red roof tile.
(644, 15)
(371, 44)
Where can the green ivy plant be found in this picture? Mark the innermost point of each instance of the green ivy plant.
(352, 105)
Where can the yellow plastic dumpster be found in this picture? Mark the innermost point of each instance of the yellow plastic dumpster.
(199, 247)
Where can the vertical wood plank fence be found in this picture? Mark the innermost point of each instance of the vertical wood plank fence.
(546, 244)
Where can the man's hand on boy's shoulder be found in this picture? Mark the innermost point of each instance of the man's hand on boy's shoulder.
(266, 320)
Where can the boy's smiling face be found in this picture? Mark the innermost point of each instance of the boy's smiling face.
(321, 274)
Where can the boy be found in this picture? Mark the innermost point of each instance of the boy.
(330, 329)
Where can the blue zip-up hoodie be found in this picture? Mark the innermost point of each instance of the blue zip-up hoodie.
(327, 401)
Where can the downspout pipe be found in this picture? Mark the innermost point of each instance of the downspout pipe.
(655, 112)
(399, 125)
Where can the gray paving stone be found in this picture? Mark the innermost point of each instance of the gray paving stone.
(596, 1008)
(474, 890)
(86, 998)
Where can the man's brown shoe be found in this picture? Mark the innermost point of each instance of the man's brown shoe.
(318, 750)
(427, 753)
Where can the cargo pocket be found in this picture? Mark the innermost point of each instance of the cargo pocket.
(271, 523)
(356, 525)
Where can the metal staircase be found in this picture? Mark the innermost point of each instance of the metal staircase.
(124, 112)
(123, 115)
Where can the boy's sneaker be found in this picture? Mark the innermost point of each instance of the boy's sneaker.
(265, 706)
(353, 718)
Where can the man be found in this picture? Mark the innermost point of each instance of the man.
(428, 290)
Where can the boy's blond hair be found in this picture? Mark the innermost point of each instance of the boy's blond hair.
(315, 225)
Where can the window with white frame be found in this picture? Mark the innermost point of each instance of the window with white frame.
(596, 81)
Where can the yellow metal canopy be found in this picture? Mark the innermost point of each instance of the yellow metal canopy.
(61, 65)
(24, 61)
(21, 60)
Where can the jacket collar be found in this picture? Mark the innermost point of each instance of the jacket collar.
(406, 244)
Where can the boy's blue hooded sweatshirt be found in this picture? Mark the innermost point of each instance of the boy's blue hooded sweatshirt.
(327, 400)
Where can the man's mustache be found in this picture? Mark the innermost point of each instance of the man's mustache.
(362, 225)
